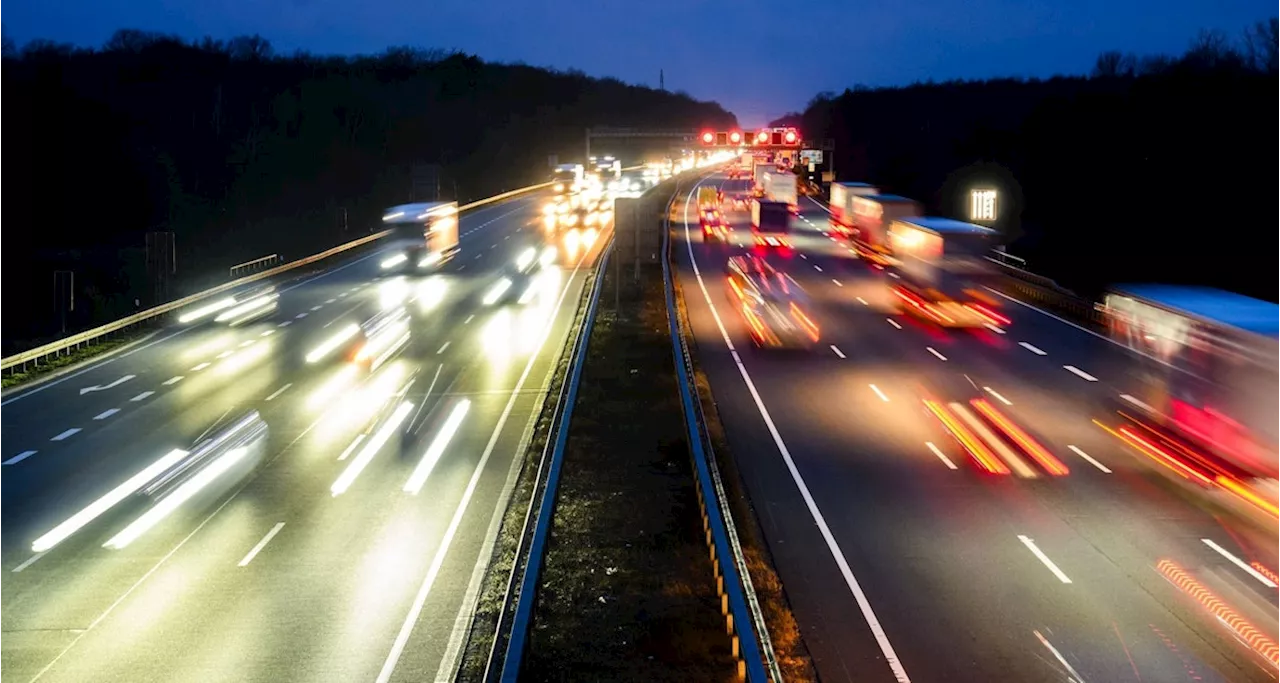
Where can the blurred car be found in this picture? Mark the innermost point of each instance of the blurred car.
(518, 280)
(713, 226)
(773, 306)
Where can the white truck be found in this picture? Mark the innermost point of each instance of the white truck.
(567, 178)
(842, 195)
(781, 187)
(426, 235)
(758, 169)
(872, 215)
(941, 266)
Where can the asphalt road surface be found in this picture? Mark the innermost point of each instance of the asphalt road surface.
(901, 558)
(267, 574)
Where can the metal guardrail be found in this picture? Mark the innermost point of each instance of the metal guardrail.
(522, 615)
(268, 260)
(739, 604)
(1046, 291)
(59, 346)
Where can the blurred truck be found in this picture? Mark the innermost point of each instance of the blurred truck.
(1205, 394)
(770, 223)
(758, 171)
(425, 235)
(941, 267)
(842, 195)
(567, 178)
(872, 215)
(780, 186)
(708, 198)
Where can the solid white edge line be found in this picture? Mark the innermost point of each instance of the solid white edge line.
(1239, 563)
(1089, 458)
(261, 544)
(279, 391)
(941, 456)
(1035, 550)
(868, 614)
(29, 561)
(420, 600)
(1079, 373)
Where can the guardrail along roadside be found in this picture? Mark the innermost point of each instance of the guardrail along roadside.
(622, 585)
(74, 348)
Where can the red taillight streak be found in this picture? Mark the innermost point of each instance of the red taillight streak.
(1227, 616)
(970, 442)
(1242, 491)
(808, 325)
(991, 316)
(1029, 445)
(1161, 456)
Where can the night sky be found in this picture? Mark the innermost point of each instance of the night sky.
(757, 59)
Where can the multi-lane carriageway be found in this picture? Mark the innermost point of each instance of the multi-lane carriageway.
(275, 577)
(902, 558)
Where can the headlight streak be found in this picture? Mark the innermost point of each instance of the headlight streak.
(77, 521)
(332, 343)
(247, 307)
(207, 309)
(394, 260)
(436, 449)
(495, 293)
(179, 496)
(365, 456)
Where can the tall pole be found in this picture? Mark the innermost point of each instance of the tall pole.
(586, 158)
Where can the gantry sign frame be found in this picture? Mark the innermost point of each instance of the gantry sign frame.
(691, 137)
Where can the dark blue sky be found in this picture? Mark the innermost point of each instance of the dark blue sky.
(758, 59)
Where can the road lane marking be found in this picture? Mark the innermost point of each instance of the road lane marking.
(327, 301)
(477, 258)
(895, 276)
(30, 561)
(1141, 404)
(993, 328)
(855, 588)
(171, 381)
(200, 367)
(222, 355)
(442, 348)
(941, 456)
(113, 385)
(818, 268)
(462, 267)
(285, 323)
(863, 301)
(261, 544)
(837, 350)
(248, 342)
(804, 257)
(316, 308)
(1035, 550)
(1079, 373)
(1058, 655)
(1032, 348)
(894, 323)
(1239, 563)
(879, 393)
(106, 413)
(142, 397)
(67, 434)
(493, 245)
(267, 333)
(1000, 398)
(300, 316)
(279, 391)
(469, 319)
(838, 283)
(1089, 459)
(19, 457)
(935, 353)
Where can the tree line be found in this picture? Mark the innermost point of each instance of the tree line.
(1151, 168)
(241, 152)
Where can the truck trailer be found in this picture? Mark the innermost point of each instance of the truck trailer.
(842, 195)
(780, 186)
(941, 266)
(770, 223)
(872, 215)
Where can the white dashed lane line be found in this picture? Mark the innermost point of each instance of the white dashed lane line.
(106, 413)
(1089, 459)
(1079, 373)
(442, 348)
(879, 393)
(1032, 348)
(1000, 398)
(837, 351)
(941, 456)
(935, 353)
(818, 268)
(1031, 545)
(893, 322)
(863, 301)
(173, 380)
(316, 308)
(142, 397)
(67, 434)
(838, 283)
(200, 367)
(19, 458)
(285, 323)
(279, 391)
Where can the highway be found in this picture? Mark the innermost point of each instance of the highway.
(307, 567)
(902, 559)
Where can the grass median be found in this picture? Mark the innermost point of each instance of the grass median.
(627, 592)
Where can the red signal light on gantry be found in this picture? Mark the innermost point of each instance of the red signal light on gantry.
(735, 137)
(762, 137)
(791, 137)
(708, 137)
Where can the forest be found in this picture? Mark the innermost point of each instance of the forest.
(240, 153)
(1149, 169)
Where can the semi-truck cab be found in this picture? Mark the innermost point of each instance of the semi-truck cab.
(567, 178)
(425, 235)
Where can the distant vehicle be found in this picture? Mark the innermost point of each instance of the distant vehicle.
(842, 195)
(872, 215)
(713, 226)
(427, 234)
(770, 223)
(1207, 375)
(773, 306)
(757, 177)
(708, 197)
(941, 266)
(781, 187)
(567, 178)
